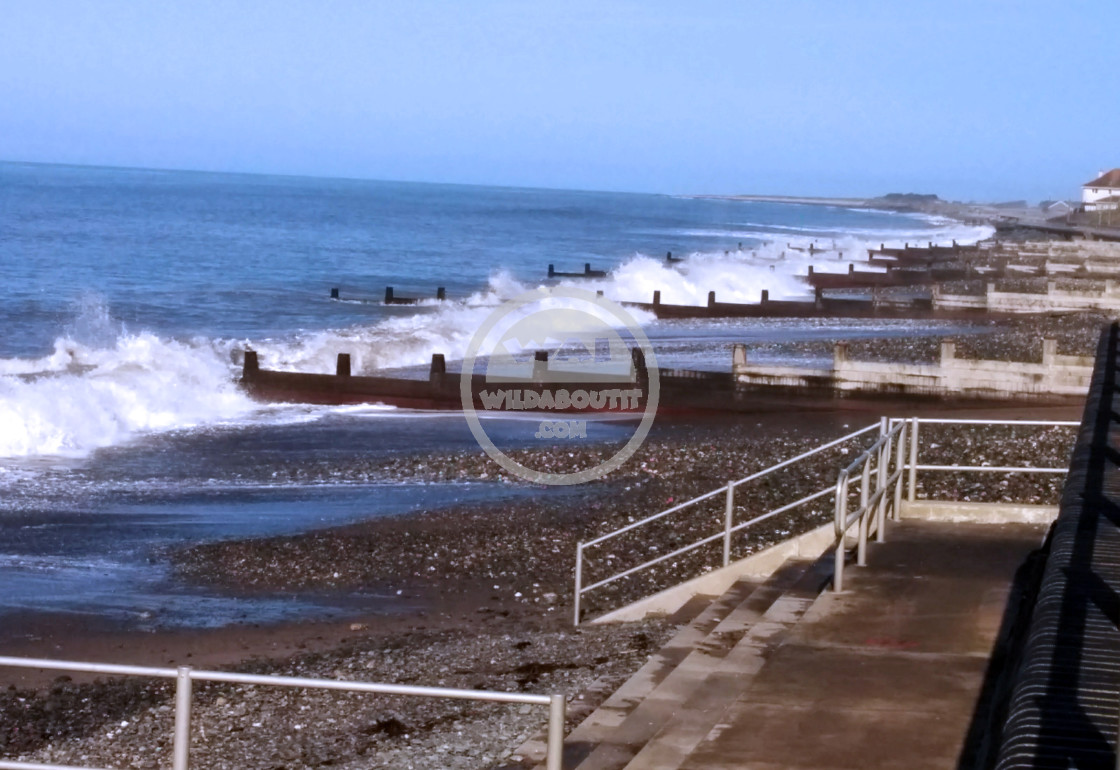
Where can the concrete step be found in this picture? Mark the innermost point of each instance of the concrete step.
(611, 737)
(730, 677)
(601, 708)
(889, 673)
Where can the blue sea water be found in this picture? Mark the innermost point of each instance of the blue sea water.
(129, 294)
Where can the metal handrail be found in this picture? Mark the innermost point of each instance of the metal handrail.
(185, 675)
(906, 430)
(714, 492)
(874, 505)
(885, 462)
(727, 531)
(913, 466)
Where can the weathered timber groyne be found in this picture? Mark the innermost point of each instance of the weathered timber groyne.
(588, 272)
(1054, 300)
(443, 390)
(1055, 377)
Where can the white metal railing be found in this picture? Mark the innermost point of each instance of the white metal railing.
(185, 675)
(883, 460)
(729, 528)
(913, 466)
(892, 461)
(886, 464)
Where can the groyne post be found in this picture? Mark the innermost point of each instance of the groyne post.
(540, 365)
(711, 299)
(441, 293)
(388, 295)
(657, 298)
(251, 365)
(1049, 352)
(738, 356)
(641, 373)
(334, 293)
(438, 369)
(342, 367)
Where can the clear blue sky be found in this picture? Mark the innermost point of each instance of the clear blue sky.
(984, 99)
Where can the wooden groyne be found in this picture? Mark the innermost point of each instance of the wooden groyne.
(1053, 300)
(442, 390)
(391, 297)
(874, 306)
(865, 290)
(588, 272)
(1054, 377)
(681, 390)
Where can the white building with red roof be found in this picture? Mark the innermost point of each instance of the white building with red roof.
(1103, 192)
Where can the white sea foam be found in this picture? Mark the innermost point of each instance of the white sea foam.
(80, 397)
(102, 385)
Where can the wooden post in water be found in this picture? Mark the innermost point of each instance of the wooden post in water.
(388, 295)
(711, 299)
(441, 294)
(641, 373)
(342, 368)
(540, 365)
(334, 293)
(438, 370)
(251, 365)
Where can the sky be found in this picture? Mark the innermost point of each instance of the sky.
(984, 100)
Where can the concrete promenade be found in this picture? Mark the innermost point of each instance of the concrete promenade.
(887, 674)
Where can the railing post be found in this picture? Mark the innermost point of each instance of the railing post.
(841, 516)
(579, 580)
(896, 512)
(883, 465)
(556, 708)
(862, 523)
(912, 487)
(181, 747)
(728, 514)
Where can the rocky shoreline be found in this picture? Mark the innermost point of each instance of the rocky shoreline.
(494, 586)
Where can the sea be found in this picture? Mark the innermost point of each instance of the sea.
(129, 296)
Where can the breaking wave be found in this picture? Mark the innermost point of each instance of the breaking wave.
(102, 385)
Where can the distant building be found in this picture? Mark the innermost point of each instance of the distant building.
(1103, 192)
(1056, 207)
